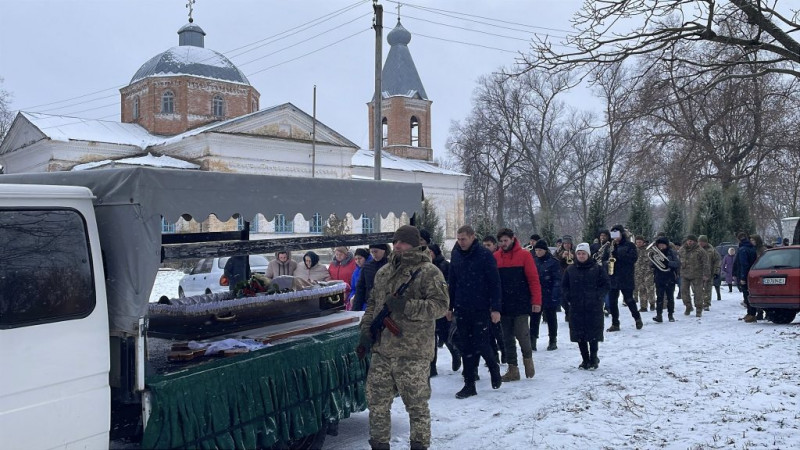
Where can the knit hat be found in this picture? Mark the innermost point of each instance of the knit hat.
(702, 238)
(541, 243)
(408, 234)
(583, 247)
(362, 253)
(691, 237)
(384, 247)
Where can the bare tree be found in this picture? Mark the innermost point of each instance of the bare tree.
(6, 115)
(611, 31)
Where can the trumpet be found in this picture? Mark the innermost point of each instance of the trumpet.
(569, 258)
(657, 258)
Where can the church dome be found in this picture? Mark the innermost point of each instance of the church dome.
(190, 57)
(399, 35)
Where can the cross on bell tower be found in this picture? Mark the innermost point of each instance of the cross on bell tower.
(190, 5)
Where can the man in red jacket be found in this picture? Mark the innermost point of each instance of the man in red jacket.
(521, 295)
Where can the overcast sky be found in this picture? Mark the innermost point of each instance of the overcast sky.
(54, 51)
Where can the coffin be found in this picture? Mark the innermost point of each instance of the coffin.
(210, 315)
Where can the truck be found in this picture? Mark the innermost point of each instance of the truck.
(86, 355)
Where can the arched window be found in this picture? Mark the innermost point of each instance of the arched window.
(414, 132)
(136, 108)
(253, 106)
(167, 102)
(218, 106)
(385, 132)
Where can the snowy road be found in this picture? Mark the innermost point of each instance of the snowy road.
(714, 382)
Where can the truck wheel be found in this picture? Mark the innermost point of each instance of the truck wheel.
(782, 316)
(180, 293)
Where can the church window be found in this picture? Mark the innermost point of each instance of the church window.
(414, 132)
(385, 132)
(218, 106)
(136, 108)
(167, 102)
(316, 224)
(367, 225)
(166, 227)
(282, 225)
(253, 106)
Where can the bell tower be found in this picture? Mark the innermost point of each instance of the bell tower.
(406, 109)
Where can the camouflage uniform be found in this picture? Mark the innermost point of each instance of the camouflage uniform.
(714, 262)
(401, 364)
(694, 267)
(644, 285)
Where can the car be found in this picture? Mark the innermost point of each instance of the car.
(774, 283)
(205, 277)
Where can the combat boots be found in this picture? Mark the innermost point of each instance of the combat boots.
(671, 317)
(552, 345)
(378, 445)
(639, 324)
(512, 374)
(689, 310)
(418, 446)
(699, 312)
(530, 371)
(658, 318)
(467, 391)
(613, 327)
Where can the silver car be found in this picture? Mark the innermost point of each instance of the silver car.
(205, 276)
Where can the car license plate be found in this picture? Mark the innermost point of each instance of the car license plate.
(774, 280)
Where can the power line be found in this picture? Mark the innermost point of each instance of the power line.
(466, 43)
(466, 29)
(447, 13)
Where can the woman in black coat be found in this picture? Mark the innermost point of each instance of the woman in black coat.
(583, 287)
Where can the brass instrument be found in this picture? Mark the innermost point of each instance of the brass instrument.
(598, 257)
(657, 257)
(569, 258)
(611, 259)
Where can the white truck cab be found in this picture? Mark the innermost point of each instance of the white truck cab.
(53, 320)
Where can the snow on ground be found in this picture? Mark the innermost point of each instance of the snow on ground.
(166, 284)
(714, 382)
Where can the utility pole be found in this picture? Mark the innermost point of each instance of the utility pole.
(377, 131)
(314, 136)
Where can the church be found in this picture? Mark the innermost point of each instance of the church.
(191, 108)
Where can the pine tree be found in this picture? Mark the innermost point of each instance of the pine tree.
(429, 220)
(710, 218)
(548, 231)
(674, 224)
(640, 221)
(335, 226)
(739, 218)
(596, 220)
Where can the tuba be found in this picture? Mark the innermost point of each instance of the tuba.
(657, 258)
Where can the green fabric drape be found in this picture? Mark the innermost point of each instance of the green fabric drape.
(259, 399)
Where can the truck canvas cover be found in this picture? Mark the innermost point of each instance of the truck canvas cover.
(130, 202)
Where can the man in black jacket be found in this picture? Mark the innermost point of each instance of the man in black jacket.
(624, 256)
(443, 325)
(665, 280)
(474, 285)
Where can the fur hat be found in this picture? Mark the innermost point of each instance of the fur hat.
(691, 237)
(362, 253)
(566, 238)
(541, 243)
(702, 238)
(384, 247)
(662, 240)
(408, 234)
(583, 247)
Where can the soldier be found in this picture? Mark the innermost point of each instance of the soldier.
(643, 286)
(714, 263)
(694, 272)
(414, 292)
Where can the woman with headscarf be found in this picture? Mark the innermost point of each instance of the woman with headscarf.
(311, 269)
(727, 268)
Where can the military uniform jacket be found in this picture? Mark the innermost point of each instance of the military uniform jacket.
(643, 268)
(694, 262)
(714, 260)
(426, 300)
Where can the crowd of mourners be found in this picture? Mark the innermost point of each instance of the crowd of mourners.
(495, 292)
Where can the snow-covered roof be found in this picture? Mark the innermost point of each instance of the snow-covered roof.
(191, 60)
(366, 158)
(149, 160)
(64, 128)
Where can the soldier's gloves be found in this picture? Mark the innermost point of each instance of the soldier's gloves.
(396, 304)
(364, 344)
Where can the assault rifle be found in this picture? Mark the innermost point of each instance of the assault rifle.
(383, 319)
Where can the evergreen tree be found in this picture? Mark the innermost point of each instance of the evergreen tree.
(640, 221)
(483, 227)
(596, 220)
(548, 231)
(674, 223)
(710, 218)
(429, 220)
(336, 226)
(739, 218)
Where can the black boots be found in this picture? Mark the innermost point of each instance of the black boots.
(671, 317)
(658, 318)
(584, 348)
(467, 391)
(552, 345)
(613, 327)
(497, 379)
